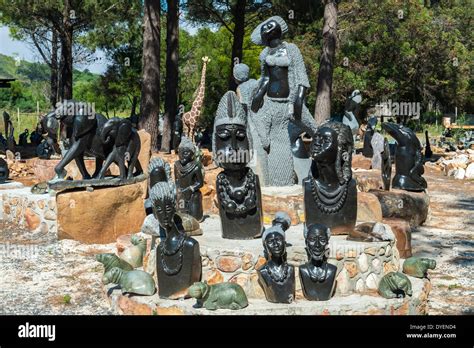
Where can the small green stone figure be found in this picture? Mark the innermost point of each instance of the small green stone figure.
(418, 266)
(218, 296)
(133, 282)
(395, 285)
(110, 261)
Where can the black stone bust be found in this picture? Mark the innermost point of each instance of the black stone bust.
(238, 188)
(408, 158)
(367, 149)
(317, 276)
(189, 179)
(276, 276)
(330, 193)
(178, 259)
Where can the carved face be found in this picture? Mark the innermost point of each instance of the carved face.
(317, 241)
(164, 212)
(232, 146)
(270, 31)
(275, 244)
(185, 156)
(324, 145)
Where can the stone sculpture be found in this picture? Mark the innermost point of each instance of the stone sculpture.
(408, 159)
(110, 261)
(189, 180)
(178, 258)
(377, 144)
(132, 282)
(351, 112)
(4, 171)
(418, 266)
(134, 254)
(238, 188)
(386, 165)
(9, 131)
(395, 285)
(177, 129)
(428, 151)
(367, 150)
(317, 276)
(279, 99)
(276, 276)
(126, 147)
(330, 193)
(218, 296)
(301, 157)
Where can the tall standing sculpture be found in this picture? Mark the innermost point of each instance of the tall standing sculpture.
(317, 275)
(178, 260)
(190, 118)
(189, 180)
(276, 276)
(238, 188)
(408, 158)
(279, 99)
(352, 111)
(330, 193)
(386, 165)
(367, 150)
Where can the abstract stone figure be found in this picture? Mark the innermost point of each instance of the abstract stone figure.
(386, 165)
(177, 130)
(418, 266)
(218, 296)
(279, 99)
(191, 118)
(131, 282)
(352, 111)
(110, 261)
(330, 193)
(4, 171)
(276, 276)
(428, 151)
(318, 277)
(134, 254)
(238, 188)
(9, 131)
(189, 180)
(395, 285)
(377, 144)
(408, 159)
(178, 260)
(126, 147)
(367, 150)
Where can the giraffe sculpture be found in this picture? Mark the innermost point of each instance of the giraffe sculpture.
(191, 117)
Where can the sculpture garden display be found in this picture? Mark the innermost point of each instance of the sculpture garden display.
(418, 266)
(4, 171)
(178, 257)
(132, 282)
(395, 285)
(408, 159)
(279, 99)
(238, 188)
(218, 296)
(276, 276)
(189, 179)
(317, 275)
(330, 193)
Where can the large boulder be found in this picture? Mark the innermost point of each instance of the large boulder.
(402, 231)
(368, 208)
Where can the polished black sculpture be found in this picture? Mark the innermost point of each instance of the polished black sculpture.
(330, 193)
(428, 151)
(4, 171)
(408, 158)
(318, 277)
(178, 260)
(189, 179)
(367, 150)
(177, 130)
(238, 188)
(386, 165)
(276, 276)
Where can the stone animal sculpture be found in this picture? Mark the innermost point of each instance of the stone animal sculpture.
(134, 253)
(191, 118)
(110, 261)
(408, 158)
(4, 171)
(126, 147)
(85, 128)
(218, 296)
(279, 99)
(395, 285)
(132, 282)
(418, 266)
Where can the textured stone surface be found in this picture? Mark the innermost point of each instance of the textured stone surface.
(361, 162)
(368, 208)
(228, 263)
(116, 211)
(402, 231)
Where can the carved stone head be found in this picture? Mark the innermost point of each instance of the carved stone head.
(159, 170)
(163, 199)
(317, 241)
(272, 28)
(273, 240)
(186, 151)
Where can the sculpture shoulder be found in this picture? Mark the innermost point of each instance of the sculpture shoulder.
(191, 242)
(263, 54)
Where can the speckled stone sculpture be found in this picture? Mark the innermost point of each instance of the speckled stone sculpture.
(395, 285)
(110, 261)
(418, 266)
(133, 255)
(132, 282)
(218, 296)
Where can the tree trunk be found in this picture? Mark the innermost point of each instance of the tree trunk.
(238, 42)
(53, 98)
(150, 102)
(172, 74)
(322, 111)
(66, 52)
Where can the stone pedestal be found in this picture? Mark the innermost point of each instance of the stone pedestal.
(402, 231)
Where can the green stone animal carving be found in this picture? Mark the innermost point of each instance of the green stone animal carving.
(110, 261)
(133, 282)
(418, 266)
(395, 285)
(218, 296)
(134, 253)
